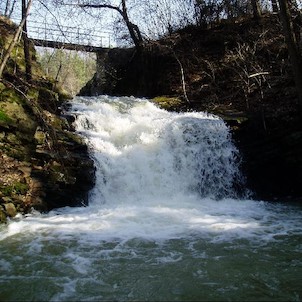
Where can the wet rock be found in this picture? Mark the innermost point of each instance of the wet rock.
(68, 121)
(10, 209)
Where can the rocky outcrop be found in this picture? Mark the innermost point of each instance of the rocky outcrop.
(272, 159)
(43, 163)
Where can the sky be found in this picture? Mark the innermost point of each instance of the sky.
(48, 22)
(96, 26)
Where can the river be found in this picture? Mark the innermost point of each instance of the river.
(165, 221)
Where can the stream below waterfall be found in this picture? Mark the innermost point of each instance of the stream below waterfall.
(164, 223)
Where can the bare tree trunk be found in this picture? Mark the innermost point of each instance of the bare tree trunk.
(27, 57)
(293, 49)
(256, 9)
(275, 6)
(15, 40)
(7, 7)
(133, 28)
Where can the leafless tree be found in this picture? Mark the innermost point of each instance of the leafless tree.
(134, 21)
(9, 7)
(161, 17)
(207, 11)
(292, 45)
(122, 9)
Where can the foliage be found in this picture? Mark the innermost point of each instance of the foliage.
(70, 68)
(16, 188)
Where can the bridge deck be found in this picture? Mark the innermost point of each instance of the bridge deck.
(69, 46)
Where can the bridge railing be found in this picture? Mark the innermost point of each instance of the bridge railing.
(68, 34)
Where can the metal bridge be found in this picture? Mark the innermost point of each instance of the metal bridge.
(66, 37)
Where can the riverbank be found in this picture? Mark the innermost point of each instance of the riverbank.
(43, 163)
(239, 70)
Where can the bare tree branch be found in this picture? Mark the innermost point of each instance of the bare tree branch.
(133, 29)
(99, 6)
(58, 23)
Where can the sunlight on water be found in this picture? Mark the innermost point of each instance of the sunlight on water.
(165, 221)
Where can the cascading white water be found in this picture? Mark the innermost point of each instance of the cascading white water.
(145, 153)
(164, 221)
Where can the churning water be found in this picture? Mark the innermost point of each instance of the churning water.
(164, 221)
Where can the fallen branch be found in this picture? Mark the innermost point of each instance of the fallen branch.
(258, 74)
(182, 78)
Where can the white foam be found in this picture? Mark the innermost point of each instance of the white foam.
(143, 151)
(158, 174)
(163, 200)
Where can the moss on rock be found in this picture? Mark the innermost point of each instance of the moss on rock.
(4, 118)
(18, 116)
(168, 103)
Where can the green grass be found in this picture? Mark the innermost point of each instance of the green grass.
(17, 188)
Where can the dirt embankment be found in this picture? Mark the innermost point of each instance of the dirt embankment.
(239, 70)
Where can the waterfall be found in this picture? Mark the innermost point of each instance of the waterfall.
(145, 153)
(164, 221)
